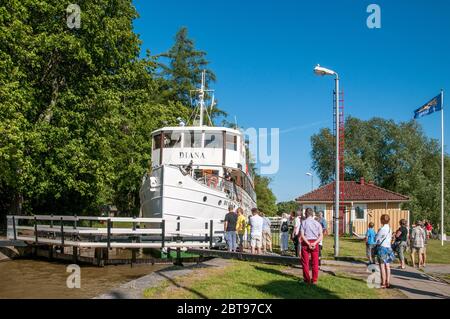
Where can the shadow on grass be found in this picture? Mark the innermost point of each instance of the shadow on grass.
(291, 288)
(176, 284)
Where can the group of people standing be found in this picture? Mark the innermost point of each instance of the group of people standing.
(384, 244)
(307, 234)
(253, 232)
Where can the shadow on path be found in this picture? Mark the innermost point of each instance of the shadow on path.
(409, 275)
(421, 292)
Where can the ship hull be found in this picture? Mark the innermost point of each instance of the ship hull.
(168, 193)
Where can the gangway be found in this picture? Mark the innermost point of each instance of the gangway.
(100, 233)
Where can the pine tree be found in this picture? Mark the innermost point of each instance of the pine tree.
(183, 71)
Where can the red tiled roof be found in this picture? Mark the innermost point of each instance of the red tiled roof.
(353, 191)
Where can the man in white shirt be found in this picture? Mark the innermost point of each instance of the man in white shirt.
(256, 224)
(296, 232)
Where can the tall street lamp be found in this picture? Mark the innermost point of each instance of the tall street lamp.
(318, 70)
(312, 180)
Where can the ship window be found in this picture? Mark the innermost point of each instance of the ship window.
(213, 139)
(231, 142)
(157, 142)
(172, 139)
(193, 139)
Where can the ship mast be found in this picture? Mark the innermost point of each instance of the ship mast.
(202, 97)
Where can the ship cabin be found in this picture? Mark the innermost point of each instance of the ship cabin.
(213, 155)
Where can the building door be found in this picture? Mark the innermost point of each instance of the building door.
(342, 210)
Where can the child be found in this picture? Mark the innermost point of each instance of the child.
(370, 242)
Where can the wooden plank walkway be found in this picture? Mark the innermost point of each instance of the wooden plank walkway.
(272, 259)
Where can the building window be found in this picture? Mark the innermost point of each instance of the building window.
(316, 208)
(360, 211)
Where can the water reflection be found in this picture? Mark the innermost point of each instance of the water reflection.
(42, 279)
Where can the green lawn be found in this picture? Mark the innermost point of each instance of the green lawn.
(437, 254)
(351, 247)
(348, 247)
(240, 280)
(356, 249)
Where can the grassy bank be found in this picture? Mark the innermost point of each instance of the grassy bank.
(352, 247)
(239, 280)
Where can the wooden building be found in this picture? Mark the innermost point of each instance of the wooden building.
(360, 204)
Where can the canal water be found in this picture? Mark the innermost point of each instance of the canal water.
(25, 278)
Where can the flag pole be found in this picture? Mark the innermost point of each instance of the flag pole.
(442, 167)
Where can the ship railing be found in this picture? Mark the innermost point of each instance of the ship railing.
(221, 184)
(114, 232)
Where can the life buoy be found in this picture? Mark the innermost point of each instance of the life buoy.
(213, 180)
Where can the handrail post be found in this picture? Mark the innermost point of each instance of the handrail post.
(14, 227)
(51, 221)
(178, 250)
(163, 232)
(211, 233)
(35, 230)
(206, 232)
(108, 234)
(62, 232)
(75, 222)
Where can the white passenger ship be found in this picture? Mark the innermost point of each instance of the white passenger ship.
(197, 172)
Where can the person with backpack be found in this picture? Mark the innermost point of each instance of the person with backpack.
(284, 233)
(401, 242)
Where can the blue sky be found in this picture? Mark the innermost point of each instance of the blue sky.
(263, 53)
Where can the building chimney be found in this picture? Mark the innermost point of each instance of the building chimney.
(361, 181)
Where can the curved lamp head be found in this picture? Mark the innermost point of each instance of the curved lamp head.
(309, 174)
(319, 70)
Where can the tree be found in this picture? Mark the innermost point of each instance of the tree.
(183, 72)
(396, 156)
(77, 106)
(266, 200)
(287, 207)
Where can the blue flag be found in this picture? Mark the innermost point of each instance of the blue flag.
(434, 105)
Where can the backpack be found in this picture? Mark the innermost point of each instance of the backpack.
(284, 227)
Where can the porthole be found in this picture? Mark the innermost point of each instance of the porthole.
(219, 203)
(205, 198)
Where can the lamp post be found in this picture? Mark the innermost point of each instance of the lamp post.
(318, 70)
(312, 180)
